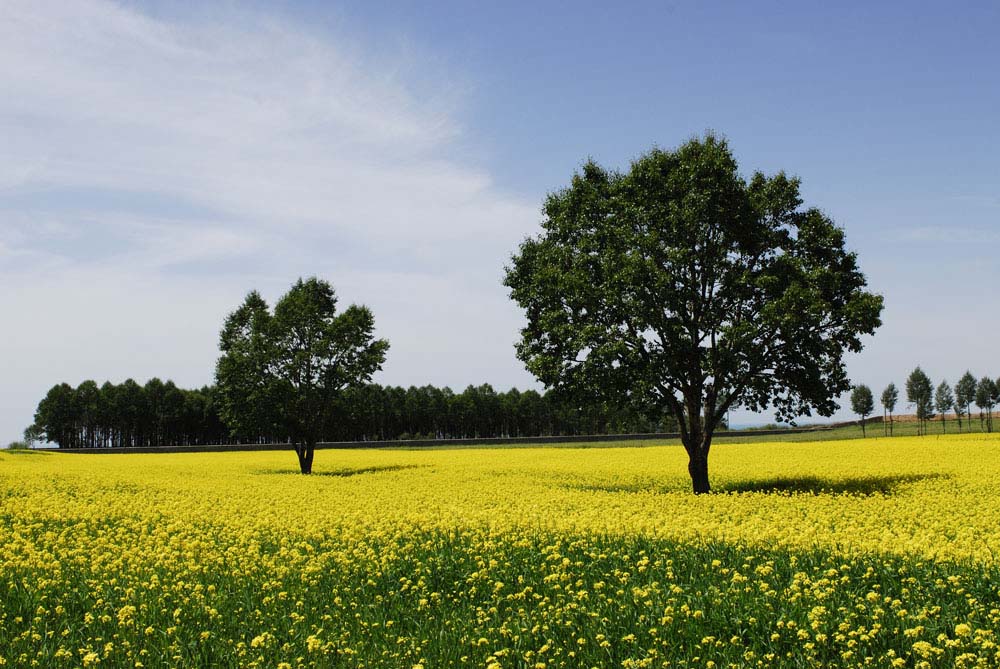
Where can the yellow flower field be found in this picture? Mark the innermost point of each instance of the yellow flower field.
(878, 552)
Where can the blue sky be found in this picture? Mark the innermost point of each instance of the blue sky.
(159, 160)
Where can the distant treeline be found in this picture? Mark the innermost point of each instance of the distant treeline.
(161, 414)
(128, 414)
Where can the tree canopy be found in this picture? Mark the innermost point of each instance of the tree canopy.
(283, 371)
(684, 288)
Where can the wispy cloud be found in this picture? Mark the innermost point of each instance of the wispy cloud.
(159, 169)
(253, 120)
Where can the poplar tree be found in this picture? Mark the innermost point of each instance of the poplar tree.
(965, 394)
(985, 391)
(889, 398)
(944, 400)
(862, 403)
(920, 393)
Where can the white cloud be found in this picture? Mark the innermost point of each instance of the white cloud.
(151, 172)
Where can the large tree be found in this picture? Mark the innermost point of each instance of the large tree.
(685, 289)
(889, 397)
(283, 372)
(965, 394)
(920, 393)
(862, 403)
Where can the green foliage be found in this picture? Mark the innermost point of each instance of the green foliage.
(889, 397)
(283, 372)
(862, 402)
(680, 287)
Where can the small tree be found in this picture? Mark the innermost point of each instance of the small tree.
(33, 434)
(944, 400)
(965, 393)
(985, 390)
(283, 372)
(920, 393)
(889, 398)
(862, 403)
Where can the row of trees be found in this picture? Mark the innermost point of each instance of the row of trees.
(128, 414)
(161, 414)
(929, 401)
(374, 412)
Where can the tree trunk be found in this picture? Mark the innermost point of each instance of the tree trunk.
(309, 458)
(305, 452)
(698, 469)
(698, 439)
(864, 434)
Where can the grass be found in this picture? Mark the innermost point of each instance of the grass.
(908, 428)
(466, 600)
(843, 433)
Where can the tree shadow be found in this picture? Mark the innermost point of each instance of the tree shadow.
(344, 473)
(635, 487)
(864, 486)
